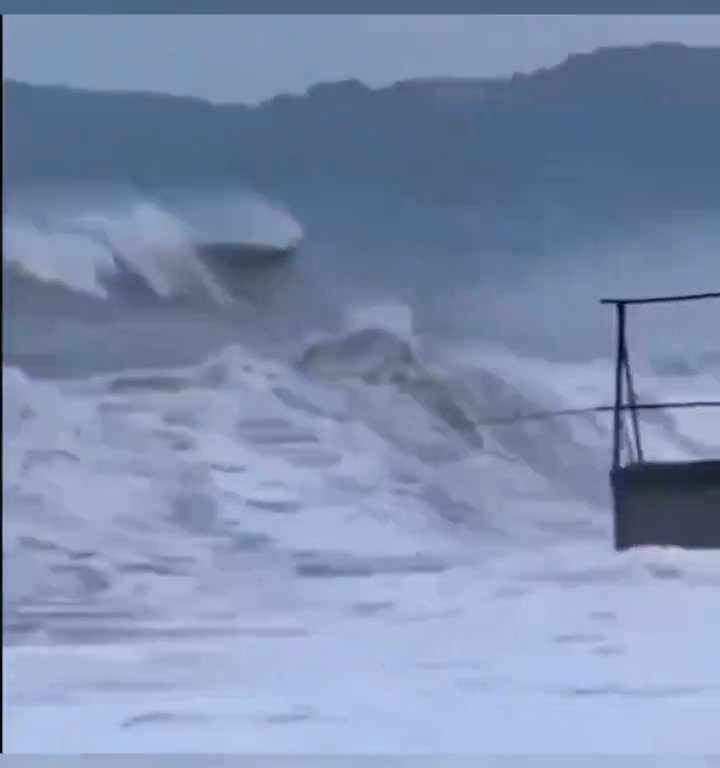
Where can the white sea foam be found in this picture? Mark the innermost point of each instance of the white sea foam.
(365, 579)
(83, 252)
(71, 260)
(392, 316)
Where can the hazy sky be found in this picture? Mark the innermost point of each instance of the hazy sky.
(250, 58)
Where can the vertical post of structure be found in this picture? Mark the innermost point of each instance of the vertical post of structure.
(617, 414)
(632, 402)
(617, 427)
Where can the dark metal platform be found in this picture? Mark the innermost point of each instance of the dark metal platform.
(658, 503)
(667, 504)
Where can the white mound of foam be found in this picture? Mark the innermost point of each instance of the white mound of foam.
(394, 317)
(233, 557)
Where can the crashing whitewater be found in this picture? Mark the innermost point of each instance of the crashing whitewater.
(323, 545)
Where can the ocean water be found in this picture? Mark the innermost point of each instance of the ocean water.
(269, 510)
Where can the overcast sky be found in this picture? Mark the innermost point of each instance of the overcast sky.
(250, 58)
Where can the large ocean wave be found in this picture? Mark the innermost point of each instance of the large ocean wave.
(281, 507)
(177, 491)
(97, 253)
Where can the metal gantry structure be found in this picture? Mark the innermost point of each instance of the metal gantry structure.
(661, 503)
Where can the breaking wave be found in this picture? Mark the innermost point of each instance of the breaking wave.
(163, 462)
(140, 249)
(229, 483)
(91, 252)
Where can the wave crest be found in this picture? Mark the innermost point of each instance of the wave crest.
(94, 252)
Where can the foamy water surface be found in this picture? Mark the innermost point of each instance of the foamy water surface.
(329, 549)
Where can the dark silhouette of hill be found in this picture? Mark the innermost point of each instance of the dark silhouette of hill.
(621, 131)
